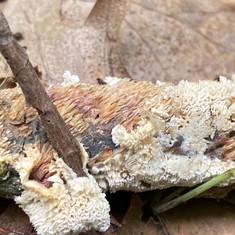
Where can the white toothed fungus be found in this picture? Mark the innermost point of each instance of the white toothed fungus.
(175, 155)
(67, 208)
(72, 205)
(137, 138)
(162, 142)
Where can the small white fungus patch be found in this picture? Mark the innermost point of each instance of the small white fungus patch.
(112, 80)
(69, 79)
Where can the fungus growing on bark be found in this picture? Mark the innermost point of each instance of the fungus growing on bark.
(55, 198)
(72, 205)
(134, 136)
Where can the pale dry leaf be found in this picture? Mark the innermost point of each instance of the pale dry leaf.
(5, 73)
(182, 39)
(56, 41)
(4, 68)
(76, 11)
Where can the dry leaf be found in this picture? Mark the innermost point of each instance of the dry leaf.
(160, 40)
(14, 219)
(56, 41)
(153, 228)
(76, 11)
(179, 39)
(133, 223)
(6, 74)
(201, 216)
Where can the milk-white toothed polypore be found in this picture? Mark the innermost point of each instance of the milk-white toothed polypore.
(135, 136)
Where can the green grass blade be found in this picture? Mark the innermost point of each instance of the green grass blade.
(193, 193)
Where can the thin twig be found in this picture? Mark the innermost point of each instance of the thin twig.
(62, 140)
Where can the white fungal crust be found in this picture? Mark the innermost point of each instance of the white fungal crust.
(150, 157)
(69, 79)
(72, 205)
(168, 147)
(137, 138)
(112, 80)
(70, 208)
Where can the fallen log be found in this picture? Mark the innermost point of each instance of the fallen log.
(134, 135)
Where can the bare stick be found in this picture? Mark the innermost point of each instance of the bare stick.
(62, 140)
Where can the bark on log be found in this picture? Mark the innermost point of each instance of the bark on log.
(131, 130)
(137, 136)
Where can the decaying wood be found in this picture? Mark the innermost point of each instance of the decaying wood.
(93, 111)
(62, 140)
(135, 135)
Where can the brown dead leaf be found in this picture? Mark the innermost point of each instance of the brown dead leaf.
(76, 11)
(179, 39)
(14, 220)
(152, 228)
(160, 40)
(201, 216)
(133, 224)
(56, 41)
